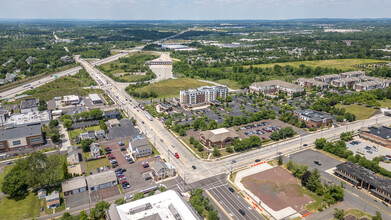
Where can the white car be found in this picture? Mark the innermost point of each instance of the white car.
(127, 197)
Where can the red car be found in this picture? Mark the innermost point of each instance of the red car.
(177, 155)
(123, 182)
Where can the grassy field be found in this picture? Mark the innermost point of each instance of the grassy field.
(385, 103)
(68, 85)
(171, 87)
(360, 111)
(231, 84)
(21, 209)
(357, 213)
(344, 64)
(94, 164)
(76, 132)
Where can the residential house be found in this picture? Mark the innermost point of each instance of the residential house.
(112, 114)
(41, 193)
(53, 200)
(95, 150)
(88, 135)
(100, 134)
(327, 78)
(163, 170)
(140, 147)
(72, 155)
(30, 60)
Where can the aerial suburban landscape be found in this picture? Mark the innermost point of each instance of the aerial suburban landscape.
(231, 118)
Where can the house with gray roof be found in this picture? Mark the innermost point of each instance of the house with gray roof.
(163, 170)
(220, 137)
(101, 180)
(14, 138)
(72, 155)
(140, 147)
(53, 200)
(74, 186)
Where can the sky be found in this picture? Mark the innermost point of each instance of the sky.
(193, 9)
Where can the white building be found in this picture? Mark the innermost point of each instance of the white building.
(203, 95)
(95, 99)
(3, 116)
(29, 118)
(167, 205)
(101, 180)
(71, 100)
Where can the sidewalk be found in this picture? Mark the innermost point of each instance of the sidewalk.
(65, 143)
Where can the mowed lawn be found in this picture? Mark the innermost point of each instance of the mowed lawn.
(344, 64)
(229, 83)
(171, 87)
(22, 209)
(360, 111)
(76, 132)
(385, 103)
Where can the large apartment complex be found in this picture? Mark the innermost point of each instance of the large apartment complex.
(275, 86)
(203, 95)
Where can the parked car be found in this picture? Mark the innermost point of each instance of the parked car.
(368, 148)
(369, 152)
(123, 170)
(177, 155)
(194, 167)
(123, 148)
(317, 162)
(242, 212)
(148, 178)
(118, 170)
(121, 143)
(10, 162)
(257, 160)
(127, 197)
(231, 189)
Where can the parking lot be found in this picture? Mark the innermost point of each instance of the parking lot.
(308, 157)
(135, 173)
(368, 149)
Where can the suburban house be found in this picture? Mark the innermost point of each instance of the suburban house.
(101, 180)
(276, 86)
(100, 133)
(72, 155)
(88, 135)
(365, 179)
(140, 147)
(112, 114)
(74, 186)
(71, 100)
(41, 193)
(377, 134)
(29, 105)
(220, 137)
(95, 150)
(313, 119)
(53, 200)
(29, 136)
(163, 170)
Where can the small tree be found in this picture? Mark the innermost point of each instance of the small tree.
(339, 213)
(191, 140)
(280, 160)
(137, 196)
(182, 132)
(377, 216)
(67, 123)
(85, 145)
(103, 125)
(120, 201)
(290, 165)
(162, 189)
(216, 152)
(53, 123)
(229, 149)
(151, 193)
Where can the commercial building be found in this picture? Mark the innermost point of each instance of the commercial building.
(313, 119)
(71, 100)
(311, 83)
(366, 179)
(29, 136)
(140, 147)
(3, 116)
(101, 180)
(74, 186)
(112, 123)
(95, 98)
(203, 95)
(163, 170)
(165, 107)
(219, 137)
(29, 118)
(352, 74)
(275, 86)
(327, 78)
(29, 105)
(167, 205)
(377, 134)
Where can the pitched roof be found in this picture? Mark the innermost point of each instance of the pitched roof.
(158, 165)
(74, 183)
(219, 134)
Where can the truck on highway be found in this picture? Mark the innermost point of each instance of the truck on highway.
(27, 85)
(148, 116)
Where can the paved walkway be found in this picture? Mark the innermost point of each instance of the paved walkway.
(65, 140)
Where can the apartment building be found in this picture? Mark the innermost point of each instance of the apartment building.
(275, 86)
(203, 95)
(313, 119)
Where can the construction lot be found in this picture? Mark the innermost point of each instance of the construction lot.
(278, 189)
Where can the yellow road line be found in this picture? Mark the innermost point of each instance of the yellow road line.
(218, 204)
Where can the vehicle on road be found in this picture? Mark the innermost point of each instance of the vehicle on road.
(148, 178)
(231, 189)
(176, 155)
(194, 167)
(317, 162)
(10, 162)
(148, 116)
(257, 160)
(242, 212)
(127, 197)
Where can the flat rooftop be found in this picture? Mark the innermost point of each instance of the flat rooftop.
(167, 205)
(314, 115)
(29, 118)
